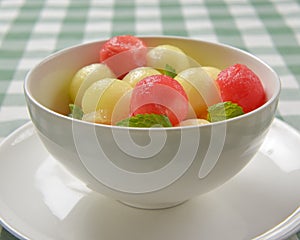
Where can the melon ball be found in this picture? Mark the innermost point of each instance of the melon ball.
(240, 85)
(100, 99)
(123, 53)
(85, 77)
(193, 122)
(168, 56)
(137, 74)
(201, 90)
(160, 94)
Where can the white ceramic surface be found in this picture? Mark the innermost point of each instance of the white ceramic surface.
(40, 200)
(177, 163)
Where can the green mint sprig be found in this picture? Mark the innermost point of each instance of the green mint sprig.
(223, 110)
(146, 121)
(169, 71)
(75, 112)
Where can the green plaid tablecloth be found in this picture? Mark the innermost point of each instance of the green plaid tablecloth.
(31, 30)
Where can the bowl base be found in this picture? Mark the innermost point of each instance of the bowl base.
(152, 206)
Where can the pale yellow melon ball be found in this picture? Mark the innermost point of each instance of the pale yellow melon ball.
(213, 72)
(201, 90)
(85, 77)
(193, 121)
(163, 55)
(100, 99)
(137, 74)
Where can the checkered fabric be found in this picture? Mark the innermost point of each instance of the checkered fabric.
(31, 30)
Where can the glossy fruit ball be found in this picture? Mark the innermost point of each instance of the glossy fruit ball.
(241, 85)
(168, 55)
(193, 122)
(85, 77)
(201, 90)
(160, 94)
(137, 74)
(123, 53)
(101, 98)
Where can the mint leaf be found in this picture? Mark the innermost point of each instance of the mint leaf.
(146, 120)
(75, 111)
(169, 71)
(223, 110)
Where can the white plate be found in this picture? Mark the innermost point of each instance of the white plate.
(39, 199)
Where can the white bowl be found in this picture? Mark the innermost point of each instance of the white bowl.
(147, 168)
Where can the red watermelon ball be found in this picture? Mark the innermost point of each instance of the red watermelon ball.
(123, 53)
(241, 85)
(160, 94)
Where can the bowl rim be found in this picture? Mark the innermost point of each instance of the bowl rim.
(30, 97)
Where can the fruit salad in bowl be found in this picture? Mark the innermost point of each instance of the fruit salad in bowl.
(160, 85)
(152, 121)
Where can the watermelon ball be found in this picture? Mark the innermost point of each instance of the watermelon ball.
(241, 85)
(160, 94)
(123, 53)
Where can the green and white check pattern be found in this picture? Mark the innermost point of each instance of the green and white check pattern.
(31, 30)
